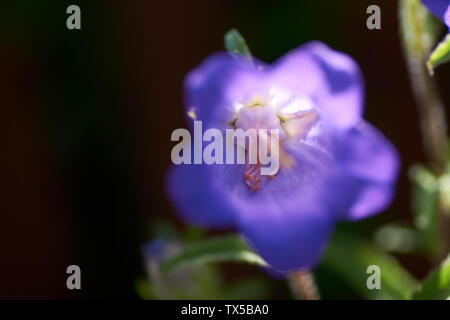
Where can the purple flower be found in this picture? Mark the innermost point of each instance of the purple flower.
(440, 8)
(334, 165)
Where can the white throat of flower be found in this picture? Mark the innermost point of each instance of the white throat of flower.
(292, 115)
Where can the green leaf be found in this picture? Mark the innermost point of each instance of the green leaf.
(218, 249)
(436, 285)
(440, 55)
(349, 256)
(235, 43)
(425, 205)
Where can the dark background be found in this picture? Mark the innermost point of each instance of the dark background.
(87, 114)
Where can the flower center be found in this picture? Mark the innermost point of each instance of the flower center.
(292, 116)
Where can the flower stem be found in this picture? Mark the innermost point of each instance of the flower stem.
(303, 286)
(432, 116)
(416, 35)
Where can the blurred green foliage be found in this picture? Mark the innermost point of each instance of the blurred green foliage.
(350, 255)
(425, 198)
(437, 284)
(191, 271)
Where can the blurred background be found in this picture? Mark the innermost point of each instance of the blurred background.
(87, 115)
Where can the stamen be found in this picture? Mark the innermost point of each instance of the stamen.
(293, 117)
(252, 176)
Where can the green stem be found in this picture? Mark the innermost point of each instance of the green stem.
(416, 35)
(431, 113)
(415, 30)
